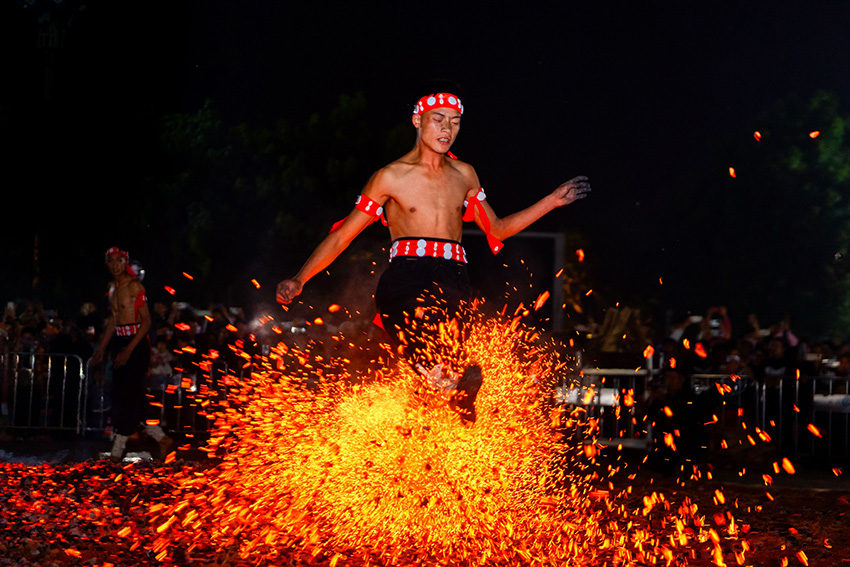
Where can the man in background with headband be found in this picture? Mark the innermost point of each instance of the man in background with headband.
(126, 337)
(424, 197)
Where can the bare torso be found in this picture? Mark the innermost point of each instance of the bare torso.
(123, 298)
(423, 201)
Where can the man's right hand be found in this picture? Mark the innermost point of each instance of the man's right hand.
(287, 290)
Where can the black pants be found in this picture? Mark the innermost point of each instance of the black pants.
(414, 296)
(129, 400)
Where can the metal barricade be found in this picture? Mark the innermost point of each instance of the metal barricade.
(621, 404)
(42, 391)
(610, 397)
(820, 416)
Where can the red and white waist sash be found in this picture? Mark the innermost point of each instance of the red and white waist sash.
(127, 330)
(427, 248)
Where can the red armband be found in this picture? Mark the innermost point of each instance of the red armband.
(368, 206)
(494, 243)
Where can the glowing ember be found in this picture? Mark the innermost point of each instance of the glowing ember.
(732, 172)
(787, 466)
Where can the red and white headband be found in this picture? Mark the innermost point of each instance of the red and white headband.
(438, 100)
(116, 250)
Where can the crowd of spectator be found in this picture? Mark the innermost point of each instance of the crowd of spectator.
(181, 335)
(706, 344)
(703, 344)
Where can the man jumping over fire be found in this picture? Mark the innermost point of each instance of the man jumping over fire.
(424, 197)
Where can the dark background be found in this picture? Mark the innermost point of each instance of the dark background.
(652, 100)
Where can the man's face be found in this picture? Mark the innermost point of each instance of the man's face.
(438, 128)
(116, 264)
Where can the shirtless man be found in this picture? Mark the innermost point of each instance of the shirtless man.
(126, 336)
(423, 195)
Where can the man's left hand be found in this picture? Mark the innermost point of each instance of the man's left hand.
(121, 358)
(571, 191)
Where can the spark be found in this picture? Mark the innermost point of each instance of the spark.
(732, 172)
(814, 134)
(814, 430)
(541, 300)
(787, 466)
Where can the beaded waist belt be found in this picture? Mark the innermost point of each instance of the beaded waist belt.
(426, 248)
(127, 330)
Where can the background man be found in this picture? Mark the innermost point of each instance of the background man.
(126, 337)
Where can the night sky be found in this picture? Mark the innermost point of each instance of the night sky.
(634, 95)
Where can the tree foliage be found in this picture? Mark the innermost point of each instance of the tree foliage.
(245, 201)
(773, 239)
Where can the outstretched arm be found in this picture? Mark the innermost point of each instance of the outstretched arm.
(334, 243)
(566, 193)
(325, 253)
